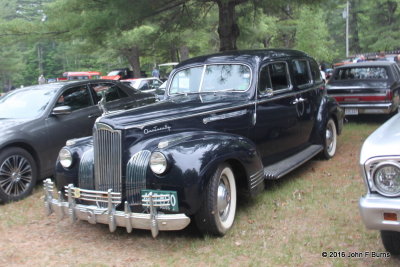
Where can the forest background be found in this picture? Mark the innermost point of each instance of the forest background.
(51, 37)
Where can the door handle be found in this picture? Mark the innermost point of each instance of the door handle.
(298, 100)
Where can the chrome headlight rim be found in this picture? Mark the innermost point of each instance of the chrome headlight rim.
(158, 163)
(65, 157)
(376, 184)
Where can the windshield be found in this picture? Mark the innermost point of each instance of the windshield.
(211, 78)
(25, 104)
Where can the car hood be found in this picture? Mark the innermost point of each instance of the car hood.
(169, 110)
(6, 124)
(384, 141)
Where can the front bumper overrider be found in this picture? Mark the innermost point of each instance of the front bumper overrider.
(153, 220)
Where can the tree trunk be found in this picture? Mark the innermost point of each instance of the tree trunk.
(173, 54)
(228, 30)
(183, 52)
(133, 56)
(355, 44)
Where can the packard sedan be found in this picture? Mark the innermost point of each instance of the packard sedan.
(366, 87)
(380, 167)
(36, 121)
(229, 121)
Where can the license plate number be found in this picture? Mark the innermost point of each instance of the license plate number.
(351, 111)
(163, 199)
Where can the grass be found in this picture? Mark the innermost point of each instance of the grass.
(312, 210)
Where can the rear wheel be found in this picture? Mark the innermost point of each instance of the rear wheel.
(217, 213)
(330, 141)
(391, 241)
(18, 174)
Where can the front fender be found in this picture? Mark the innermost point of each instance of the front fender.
(65, 176)
(193, 158)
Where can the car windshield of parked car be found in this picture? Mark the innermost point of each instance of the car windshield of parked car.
(25, 104)
(361, 73)
(211, 78)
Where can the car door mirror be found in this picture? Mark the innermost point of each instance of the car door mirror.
(62, 110)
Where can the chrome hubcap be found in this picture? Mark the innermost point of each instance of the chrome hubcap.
(15, 175)
(224, 198)
(329, 138)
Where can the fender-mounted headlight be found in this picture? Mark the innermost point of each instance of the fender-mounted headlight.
(386, 178)
(65, 157)
(158, 163)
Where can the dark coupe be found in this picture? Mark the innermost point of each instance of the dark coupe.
(366, 87)
(36, 121)
(228, 122)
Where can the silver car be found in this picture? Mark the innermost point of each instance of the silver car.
(380, 165)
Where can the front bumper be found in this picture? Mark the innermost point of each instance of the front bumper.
(373, 207)
(153, 220)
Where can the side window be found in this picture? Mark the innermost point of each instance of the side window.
(274, 76)
(76, 98)
(301, 72)
(315, 72)
(112, 91)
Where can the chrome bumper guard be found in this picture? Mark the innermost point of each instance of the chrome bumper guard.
(153, 221)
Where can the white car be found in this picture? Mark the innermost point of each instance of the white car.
(380, 166)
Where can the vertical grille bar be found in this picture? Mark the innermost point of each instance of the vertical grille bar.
(86, 170)
(136, 176)
(108, 158)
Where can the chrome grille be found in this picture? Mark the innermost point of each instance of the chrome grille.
(85, 174)
(136, 176)
(108, 158)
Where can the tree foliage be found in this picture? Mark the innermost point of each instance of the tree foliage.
(54, 36)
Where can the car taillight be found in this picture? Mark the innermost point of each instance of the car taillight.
(389, 95)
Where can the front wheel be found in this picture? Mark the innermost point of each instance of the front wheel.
(18, 174)
(391, 241)
(330, 139)
(217, 213)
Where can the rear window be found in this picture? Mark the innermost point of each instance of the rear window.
(361, 73)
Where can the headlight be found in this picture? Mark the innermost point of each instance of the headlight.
(158, 163)
(65, 157)
(386, 178)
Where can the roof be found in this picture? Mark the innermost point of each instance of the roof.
(244, 55)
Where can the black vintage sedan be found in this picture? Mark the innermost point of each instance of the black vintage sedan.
(36, 122)
(366, 87)
(229, 121)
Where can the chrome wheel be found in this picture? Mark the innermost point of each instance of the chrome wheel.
(18, 174)
(224, 198)
(15, 175)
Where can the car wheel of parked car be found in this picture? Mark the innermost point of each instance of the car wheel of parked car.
(218, 209)
(18, 174)
(330, 139)
(391, 241)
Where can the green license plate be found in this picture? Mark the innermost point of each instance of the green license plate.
(162, 199)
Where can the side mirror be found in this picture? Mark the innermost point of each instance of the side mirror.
(62, 110)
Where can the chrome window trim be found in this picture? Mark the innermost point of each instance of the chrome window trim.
(204, 66)
(281, 91)
(370, 166)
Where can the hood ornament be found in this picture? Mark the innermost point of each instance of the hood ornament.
(102, 103)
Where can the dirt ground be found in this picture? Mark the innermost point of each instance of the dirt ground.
(29, 238)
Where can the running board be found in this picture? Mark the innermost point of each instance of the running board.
(279, 169)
